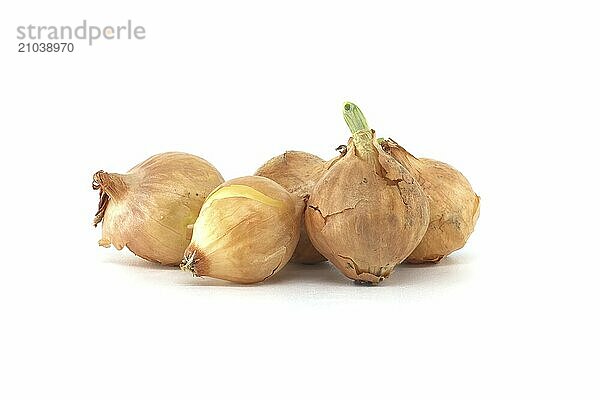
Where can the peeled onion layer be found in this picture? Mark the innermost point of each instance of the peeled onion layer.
(246, 231)
(244, 192)
(151, 208)
(297, 172)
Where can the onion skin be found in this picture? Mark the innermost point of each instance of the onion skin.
(150, 209)
(297, 172)
(453, 205)
(246, 231)
(367, 213)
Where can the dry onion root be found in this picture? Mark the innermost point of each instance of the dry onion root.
(150, 209)
(453, 205)
(367, 213)
(247, 230)
(297, 172)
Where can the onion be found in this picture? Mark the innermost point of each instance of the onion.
(151, 208)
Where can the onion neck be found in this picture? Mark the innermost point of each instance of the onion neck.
(112, 184)
(362, 135)
(111, 187)
(400, 154)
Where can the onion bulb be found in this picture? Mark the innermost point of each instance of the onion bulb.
(297, 172)
(247, 230)
(367, 213)
(151, 208)
(453, 205)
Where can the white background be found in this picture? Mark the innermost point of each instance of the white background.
(506, 91)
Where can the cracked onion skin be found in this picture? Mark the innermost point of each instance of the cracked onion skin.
(247, 231)
(367, 213)
(150, 209)
(297, 172)
(453, 205)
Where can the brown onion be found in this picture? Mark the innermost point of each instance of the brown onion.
(246, 231)
(151, 208)
(367, 213)
(297, 172)
(453, 205)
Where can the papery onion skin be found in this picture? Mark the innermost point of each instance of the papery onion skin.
(246, 231)
(367, 213)
(151, 208)
(453, 205)
(297, 172)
